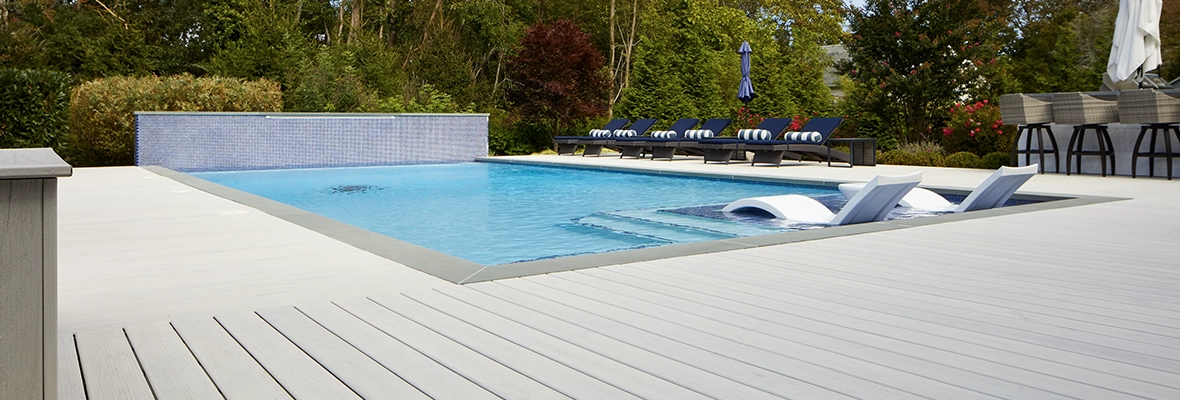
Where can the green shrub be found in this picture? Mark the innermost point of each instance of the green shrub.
(930, 158)
(899, 157)
(920, 147)
(102, 111)
(34, 108)
(962, 159)
(995, 160)
(977, 128)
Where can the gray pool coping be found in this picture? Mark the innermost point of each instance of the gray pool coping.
(460, 271)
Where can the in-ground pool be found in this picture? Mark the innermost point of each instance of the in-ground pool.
(494, 213)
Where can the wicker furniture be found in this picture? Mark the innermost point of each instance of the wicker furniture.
(1031, 113)
(1087, 112)
(1159, 112)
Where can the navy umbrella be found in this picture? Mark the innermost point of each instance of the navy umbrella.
(746, 88)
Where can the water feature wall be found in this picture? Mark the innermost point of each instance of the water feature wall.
(214, 141)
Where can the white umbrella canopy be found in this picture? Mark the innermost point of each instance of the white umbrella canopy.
(1136, 39)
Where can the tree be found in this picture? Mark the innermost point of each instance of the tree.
(914, 59)
(558, 77)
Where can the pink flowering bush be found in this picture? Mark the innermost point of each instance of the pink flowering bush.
(747, 119)
(977, 128)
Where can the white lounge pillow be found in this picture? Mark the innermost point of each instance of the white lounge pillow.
(698, 134)
(626, 133)
(664, 134)
(599, 133)
(814, 137)
(754, 134)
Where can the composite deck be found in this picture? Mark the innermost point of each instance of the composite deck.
(1080, 302)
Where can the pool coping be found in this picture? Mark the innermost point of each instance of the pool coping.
(460, 271)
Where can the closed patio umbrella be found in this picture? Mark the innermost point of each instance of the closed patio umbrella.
(1136, 46)
(745, 88)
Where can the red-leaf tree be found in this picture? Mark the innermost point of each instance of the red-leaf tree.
(558, 76)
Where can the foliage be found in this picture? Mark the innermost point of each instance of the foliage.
(899, 157)
(102, 111)
(34, 108)
(687, 65)
(977, 128)
(1048, 58)
(995, 160)
(918, 147)
(921, 57)
(962, 159)
(930, 158)
(1170, 48)
(557, 77)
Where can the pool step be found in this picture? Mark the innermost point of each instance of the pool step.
(650, 228)
(730, 228)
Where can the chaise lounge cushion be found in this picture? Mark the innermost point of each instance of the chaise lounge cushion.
(754, 134)
(804, 137)
(698, 134)
(625, 133)
(665, 134)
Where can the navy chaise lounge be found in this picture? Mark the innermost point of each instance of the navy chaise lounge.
(597, 137)
(634, 146)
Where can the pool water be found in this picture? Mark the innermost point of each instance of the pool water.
(494, 213)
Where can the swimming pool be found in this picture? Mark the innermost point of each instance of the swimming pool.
(493, 213)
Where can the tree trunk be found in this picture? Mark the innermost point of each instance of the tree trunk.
(355, 26)
(630, 44)
(614, 70)
(340, 23)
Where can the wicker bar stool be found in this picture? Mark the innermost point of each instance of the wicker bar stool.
(1087, 112)
(1032, 114)
(1158, 111)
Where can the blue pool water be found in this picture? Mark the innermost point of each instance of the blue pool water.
(492, 213)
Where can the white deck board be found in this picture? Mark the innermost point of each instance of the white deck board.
(299, 374)
(364, 376)
(170, 367)
(550, 373)
(687, 374)
(1014, 327)
(882, 343)
(237, 375)
(726, 363)
(419, 370)
(633, 381)
(771, 304)
(1079, 302)
(491, 375)
(814, 365)
(110, 367)
(69, 373)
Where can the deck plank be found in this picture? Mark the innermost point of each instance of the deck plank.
(364, 376)
(1103, 330)
(619, 375)
(877, 276)
(110, 367)
(1038, 359)
(489, 374)
(815, 365)
(69, 372)
(237, 375)
(918, 354)
(725, 358)
(170, 367)
(1016, 328)
(299, 374)
(684, 373)
(555, 375)
(419, 370)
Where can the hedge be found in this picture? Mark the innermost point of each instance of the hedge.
(102, 111)
(34, 108)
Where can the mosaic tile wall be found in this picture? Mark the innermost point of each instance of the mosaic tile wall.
(242, 141)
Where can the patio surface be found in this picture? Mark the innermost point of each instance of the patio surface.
(167, 292)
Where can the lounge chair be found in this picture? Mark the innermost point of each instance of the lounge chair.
(634, 146)
(808, 140)
(666, 148)
(872, 203)
(597, 137)
(722, 149)
(993, 192)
